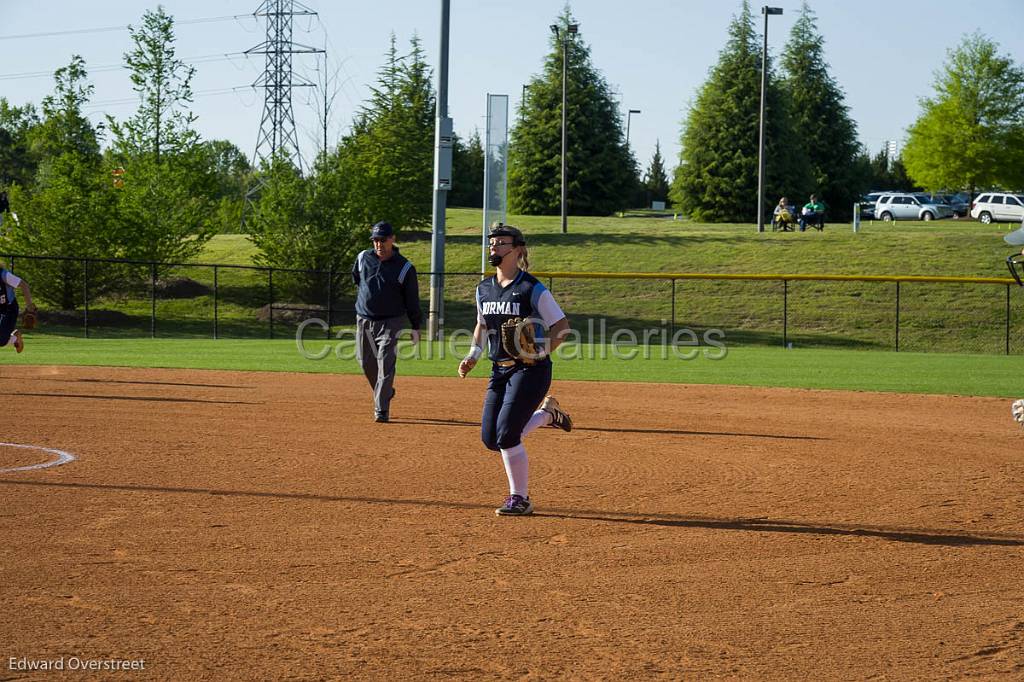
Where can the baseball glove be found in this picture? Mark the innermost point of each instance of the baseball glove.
(518, 341)
(28, 319)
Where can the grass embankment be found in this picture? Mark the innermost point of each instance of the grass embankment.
(933, 317)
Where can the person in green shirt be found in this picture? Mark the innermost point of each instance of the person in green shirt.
(813, 213)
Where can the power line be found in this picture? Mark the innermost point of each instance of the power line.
(110, 29)
(205, 59)
(92, 106)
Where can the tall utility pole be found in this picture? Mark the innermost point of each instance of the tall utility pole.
(277, 129)
(442, 183)
(766, 11)
(563, 36)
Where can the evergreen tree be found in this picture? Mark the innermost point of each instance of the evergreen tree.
(716, 180)
(971, 134)
(821, 119)
(18, 161)
(67, 210)
(391, 146)
(886, 173)
(656, 184)
(467, 172)
(601, 170)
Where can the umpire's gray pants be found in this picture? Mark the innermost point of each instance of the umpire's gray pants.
(376, 349)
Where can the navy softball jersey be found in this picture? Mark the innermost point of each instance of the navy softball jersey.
(515, 391)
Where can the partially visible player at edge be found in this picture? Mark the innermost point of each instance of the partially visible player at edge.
(1016, 238)
(517, 387)
(9, 307)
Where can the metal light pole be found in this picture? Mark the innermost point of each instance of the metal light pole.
(766, 11)
(564, 37)
(628, 115)
(442, 183)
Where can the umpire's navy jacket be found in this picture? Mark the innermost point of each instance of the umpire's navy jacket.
(386, 288)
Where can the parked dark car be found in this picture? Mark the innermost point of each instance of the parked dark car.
(867, 205)
(961, 203)
(958, 204)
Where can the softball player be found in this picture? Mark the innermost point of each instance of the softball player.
(517, 386)
(9, 307)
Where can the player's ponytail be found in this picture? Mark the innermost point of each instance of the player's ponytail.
(524, 258)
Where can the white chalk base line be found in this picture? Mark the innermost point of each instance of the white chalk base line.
(62, 458)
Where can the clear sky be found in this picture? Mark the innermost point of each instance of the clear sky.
(655, 54)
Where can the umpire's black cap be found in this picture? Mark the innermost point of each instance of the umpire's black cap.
(501, 230)
(382, 230)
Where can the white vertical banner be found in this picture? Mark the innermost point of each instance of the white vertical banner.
(495, 168)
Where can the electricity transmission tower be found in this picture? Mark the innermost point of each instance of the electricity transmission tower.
(277, 129)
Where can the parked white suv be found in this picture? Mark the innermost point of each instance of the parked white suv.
(992, 207)
(906, 206)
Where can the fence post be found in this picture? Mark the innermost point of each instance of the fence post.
(85, 294)
(330, 302)
(215, 301)
(673, 327)
(1007, 319)
(785, 313)
(270, 286)
(152, 300)
(897, 316)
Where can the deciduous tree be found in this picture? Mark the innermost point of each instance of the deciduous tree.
(970, 134)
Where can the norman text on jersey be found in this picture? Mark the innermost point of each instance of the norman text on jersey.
(500, 307)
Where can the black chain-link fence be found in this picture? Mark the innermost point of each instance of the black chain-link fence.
(130, 299)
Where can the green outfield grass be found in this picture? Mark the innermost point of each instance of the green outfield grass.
(935, 373)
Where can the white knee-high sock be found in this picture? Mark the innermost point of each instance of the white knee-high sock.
(539, 418)
(517, 468)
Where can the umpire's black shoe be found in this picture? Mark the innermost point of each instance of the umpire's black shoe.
(381, 419)
(560, 419)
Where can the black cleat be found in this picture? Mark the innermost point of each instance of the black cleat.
(515, 505)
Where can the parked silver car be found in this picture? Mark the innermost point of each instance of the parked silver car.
(906, 206)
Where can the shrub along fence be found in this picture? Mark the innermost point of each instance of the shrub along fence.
(107, 298)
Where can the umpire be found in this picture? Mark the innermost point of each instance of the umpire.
(387, 293)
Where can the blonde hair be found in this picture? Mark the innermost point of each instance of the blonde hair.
(524, 258)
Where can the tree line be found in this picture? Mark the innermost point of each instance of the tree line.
(149, 188)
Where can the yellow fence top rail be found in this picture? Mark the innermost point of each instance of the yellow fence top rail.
(776, 277)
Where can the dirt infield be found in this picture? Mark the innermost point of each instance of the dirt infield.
(222, 525)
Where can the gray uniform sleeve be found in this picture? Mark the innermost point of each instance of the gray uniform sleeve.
(411, 293)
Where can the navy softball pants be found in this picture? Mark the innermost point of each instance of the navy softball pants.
(513, 395)
(8, 320)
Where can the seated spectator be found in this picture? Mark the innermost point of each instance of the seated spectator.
(813, 214)
(782, 219)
